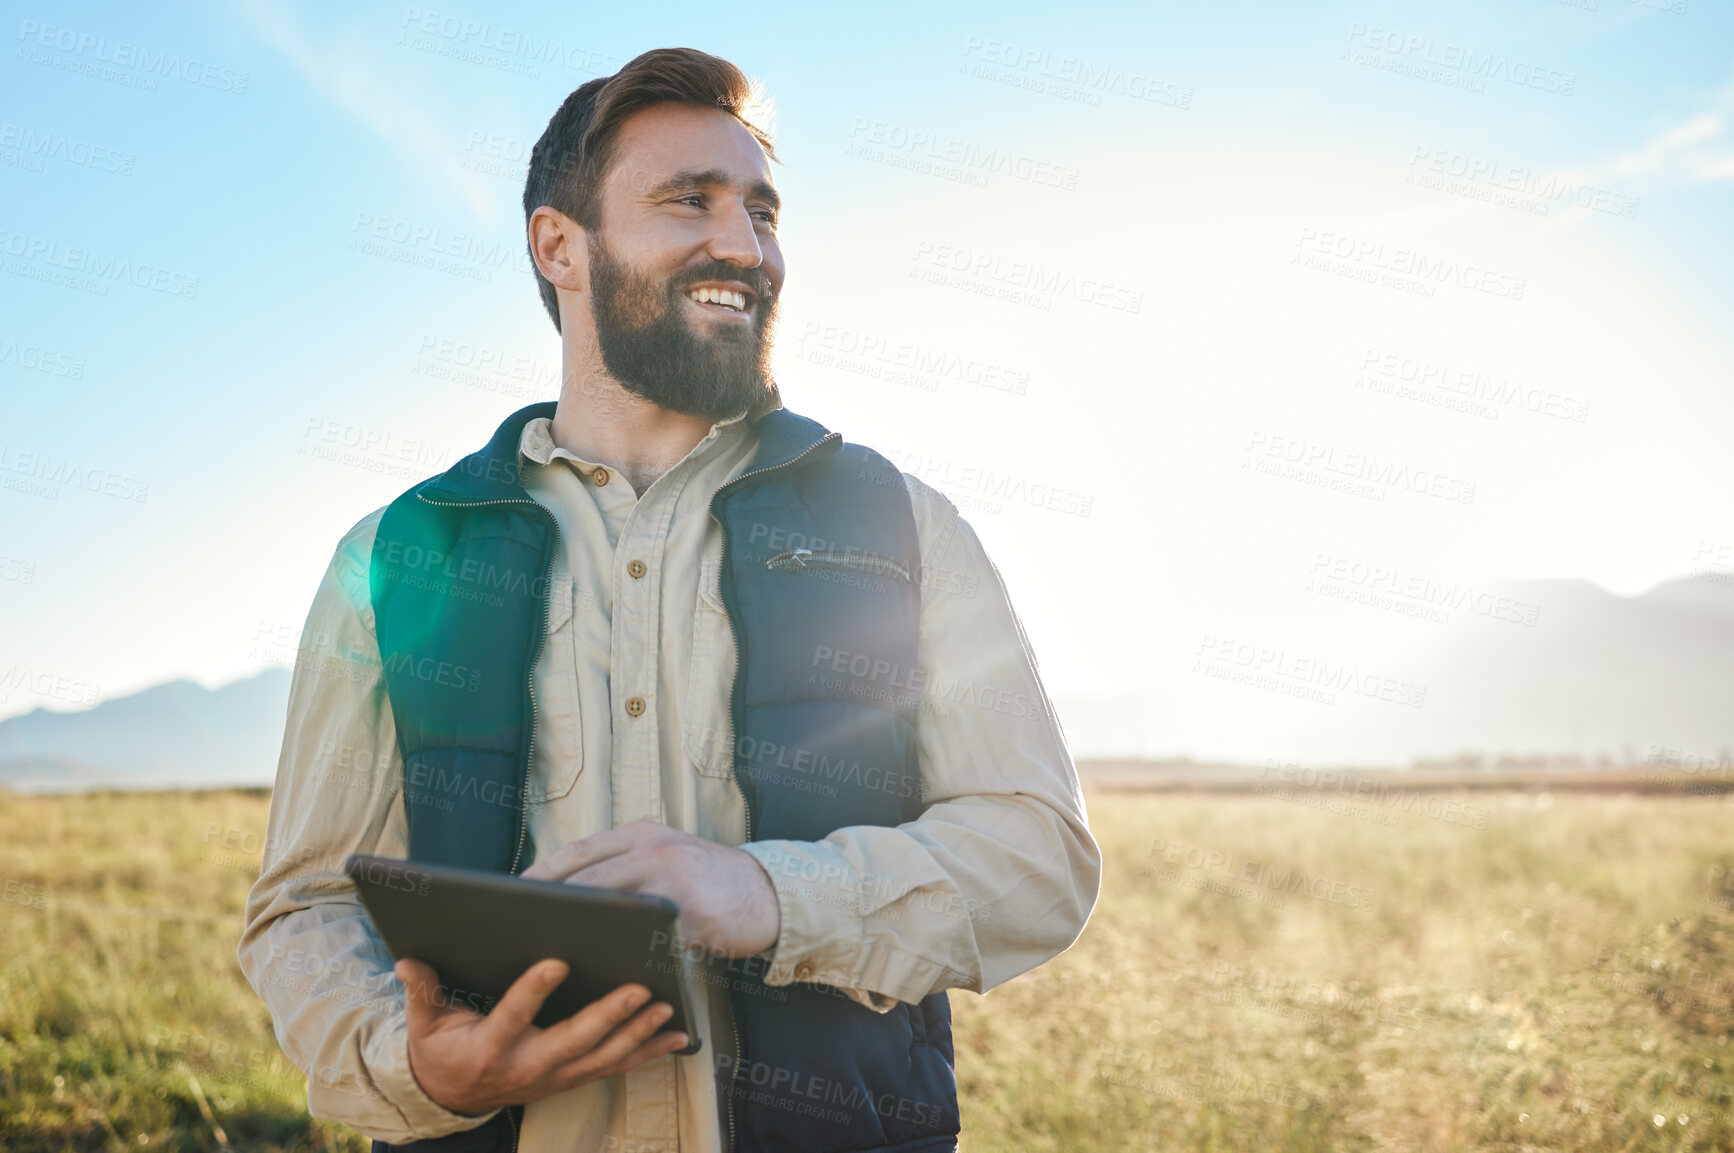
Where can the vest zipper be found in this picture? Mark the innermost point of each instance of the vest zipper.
(530, 685)
(798, 559)
(734, 707)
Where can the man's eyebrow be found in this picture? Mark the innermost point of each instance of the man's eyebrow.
(688, 179)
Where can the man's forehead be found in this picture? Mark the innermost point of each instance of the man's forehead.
(661, 141)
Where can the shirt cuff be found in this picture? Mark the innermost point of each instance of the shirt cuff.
(387, 1059)
(825, 936)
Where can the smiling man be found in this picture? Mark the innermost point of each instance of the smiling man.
(666, 636)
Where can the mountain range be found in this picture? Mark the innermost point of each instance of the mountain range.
(1593, 676)
(174, 735)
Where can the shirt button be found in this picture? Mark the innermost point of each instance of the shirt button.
(636, 569)
(635, 706)
(804, 971)
(599, 477)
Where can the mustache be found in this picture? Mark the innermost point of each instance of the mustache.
(753, 278)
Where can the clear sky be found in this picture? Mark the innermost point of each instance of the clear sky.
(1180, 302)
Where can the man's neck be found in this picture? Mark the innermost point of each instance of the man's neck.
(598, 419)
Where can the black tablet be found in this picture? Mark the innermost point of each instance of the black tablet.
(481, 931)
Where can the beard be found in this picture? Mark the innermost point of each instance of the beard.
(653, 349)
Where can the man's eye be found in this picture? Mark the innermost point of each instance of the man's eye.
(696, 200)
(765, 215)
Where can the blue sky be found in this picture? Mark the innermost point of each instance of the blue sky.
(263, 268)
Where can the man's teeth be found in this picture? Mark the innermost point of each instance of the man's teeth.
(734, 300)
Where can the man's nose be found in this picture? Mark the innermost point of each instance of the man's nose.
(735, 240)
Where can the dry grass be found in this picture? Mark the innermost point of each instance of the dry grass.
(1554, 980)
(1272, 976)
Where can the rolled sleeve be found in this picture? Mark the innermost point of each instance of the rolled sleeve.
(1000, 872)
(308, 948)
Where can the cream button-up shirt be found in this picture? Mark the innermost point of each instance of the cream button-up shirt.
(997, 876)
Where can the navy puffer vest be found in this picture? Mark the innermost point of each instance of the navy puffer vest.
(820, 573)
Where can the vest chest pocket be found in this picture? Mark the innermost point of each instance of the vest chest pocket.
(559, 750)
(819, 561)
(704, 709)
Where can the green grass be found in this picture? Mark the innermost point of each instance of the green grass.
(1555, 980)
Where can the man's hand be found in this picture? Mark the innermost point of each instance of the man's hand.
(726, 899)
(473, 1064)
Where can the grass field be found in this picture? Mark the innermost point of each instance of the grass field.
(1479, 971)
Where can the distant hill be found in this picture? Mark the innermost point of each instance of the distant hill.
(1597, 677)
(1598, 673)
(175, 735)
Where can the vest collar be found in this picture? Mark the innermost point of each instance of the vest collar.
(492, 473)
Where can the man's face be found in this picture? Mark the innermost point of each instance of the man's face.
(685, 268)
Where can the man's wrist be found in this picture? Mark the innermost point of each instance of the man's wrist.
(391, 1067)
(770, 900)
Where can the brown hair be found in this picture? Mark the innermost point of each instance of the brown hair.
(569, 161)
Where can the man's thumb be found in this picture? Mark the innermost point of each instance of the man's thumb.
(419, 984)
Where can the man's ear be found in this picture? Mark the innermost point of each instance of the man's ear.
(560, 246)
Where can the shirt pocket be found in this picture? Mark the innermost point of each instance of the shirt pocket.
(559, 748)
(705, 721)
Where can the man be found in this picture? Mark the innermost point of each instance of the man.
(667, 636)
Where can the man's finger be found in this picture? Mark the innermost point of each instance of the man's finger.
(517, 1010)
(627, 1037)
(596, 847)
(626, 1048)
(630, 872)
(420, 984)
(572, 1038)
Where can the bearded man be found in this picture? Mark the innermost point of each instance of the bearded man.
(666, 636)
